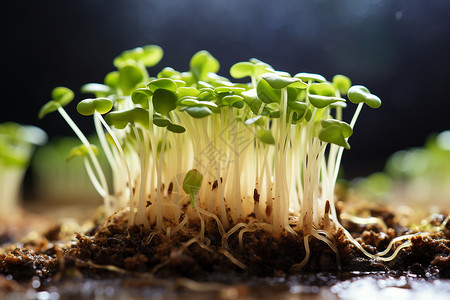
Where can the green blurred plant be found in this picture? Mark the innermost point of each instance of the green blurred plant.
(17, 143)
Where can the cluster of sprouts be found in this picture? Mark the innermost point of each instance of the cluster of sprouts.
(196, 146)
(17, 144)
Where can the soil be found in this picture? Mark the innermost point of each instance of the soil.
(139, 258)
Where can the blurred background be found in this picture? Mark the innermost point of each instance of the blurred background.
(398, 49)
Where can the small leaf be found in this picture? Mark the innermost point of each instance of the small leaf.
(120, 119)
(231, 99)
(129, 77)
(47, 108)
(307, 77)
(164, 101)
(266, 93)
(176, 128)
(342, 83)
(160, 121)
(228, 90)
(323, 101)
(162, 83)
(88, 107)
(169, 72)
(278, 82)
(197, 111)
(187, 91)
(242, 69)
(112, 79)
(359, 93)
(151, 55)
(298, 107)
(203, 63)
(192, 182)
(80, 150)
(98, 89)
(336, 132)
(148, 55)
(62, 95)
(142, 96)
(265, 136)
(322, 89)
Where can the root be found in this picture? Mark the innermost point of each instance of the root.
(233, 259)
(299, 266)
(364, 221)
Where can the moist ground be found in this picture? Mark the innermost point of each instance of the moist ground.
(116, 250)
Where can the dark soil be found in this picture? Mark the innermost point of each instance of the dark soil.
(113, 250)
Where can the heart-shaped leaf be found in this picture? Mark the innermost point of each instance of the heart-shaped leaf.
(359, 93)
(142, 96)
(342, 83)
(197, 111)
(323, 101)
(164, 101)
(310, 77)
(278, 82)
(203, 63)
(88, 107)
(62, 95)
(335, 132)
(120, 119)
(162, 83)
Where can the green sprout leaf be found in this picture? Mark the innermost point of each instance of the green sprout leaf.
(342, 83)
(169, 72)
(359, 93)
(142, 97)
(310, 77)
(112, 80)
(80, 150)
(265, 136)
(231, 99)
(47, 108)
(192, 183)
(88, 107)
(62, 95)
(130, 75)
(164, 101)
(160, 121)
(244, 69)
(197, 111)
(203, 63)
(98, 89)
(323, 89)
(162, 83)
(278, 82)
(266, 93)
(323, 101)
(336, 132)
(298, 107)
(187, 91)
(120, 119)
(176, 128)
(148, 55)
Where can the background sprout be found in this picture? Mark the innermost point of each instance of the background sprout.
(203, 63)
(17, 144)
(342, 83)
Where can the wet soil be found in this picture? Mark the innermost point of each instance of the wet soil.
(139, 259)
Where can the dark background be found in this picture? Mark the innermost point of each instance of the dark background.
(398, 49)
